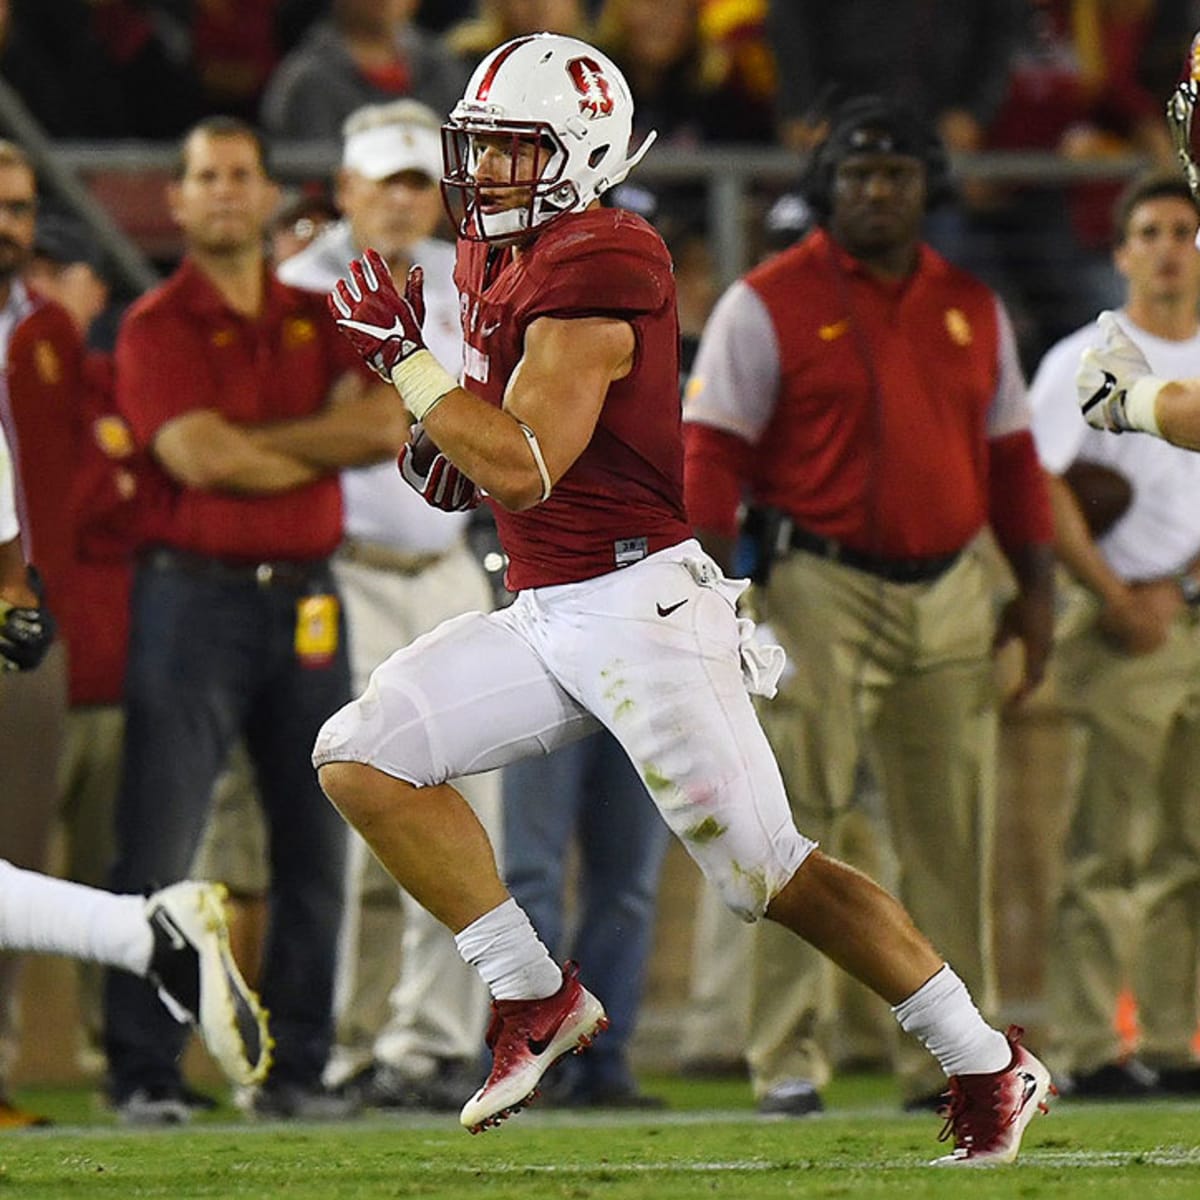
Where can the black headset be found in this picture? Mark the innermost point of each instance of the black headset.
(899, 130)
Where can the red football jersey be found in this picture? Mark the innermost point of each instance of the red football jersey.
(622, 499)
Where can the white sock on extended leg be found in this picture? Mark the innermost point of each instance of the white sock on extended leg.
(504, 948)
(55, 916)
(943, 1017)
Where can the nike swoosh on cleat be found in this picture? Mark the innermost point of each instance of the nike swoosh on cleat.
(538, 1046)
(1102, 393)
(666, 612)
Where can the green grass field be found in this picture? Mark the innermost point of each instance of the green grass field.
(709, 1144)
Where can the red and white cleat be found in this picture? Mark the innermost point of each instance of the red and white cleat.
(987, 1114)
(527, 1037)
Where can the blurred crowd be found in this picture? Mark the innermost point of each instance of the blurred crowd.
(1082, 79)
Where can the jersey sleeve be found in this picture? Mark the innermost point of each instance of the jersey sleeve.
(734, 384)
(160, 373)
(604, 280)
(1009, 411)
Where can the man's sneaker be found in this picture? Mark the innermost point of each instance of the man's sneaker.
(987, 1114)
(791, 1098)
(197, 979)
(526, 1038)
(297, 1102)
(154, 1106)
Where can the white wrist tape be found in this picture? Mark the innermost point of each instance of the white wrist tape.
(422, 381)
(1140, 404)
(538, 458)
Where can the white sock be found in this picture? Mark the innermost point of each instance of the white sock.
(55, 916)
(504, 948)
(943, 1017)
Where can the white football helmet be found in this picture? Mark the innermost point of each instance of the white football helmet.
(555, 90)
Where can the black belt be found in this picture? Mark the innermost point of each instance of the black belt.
(267, 573)
(894, 570)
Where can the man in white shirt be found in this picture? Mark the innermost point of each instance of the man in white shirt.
(403, 568)
(1129, 675)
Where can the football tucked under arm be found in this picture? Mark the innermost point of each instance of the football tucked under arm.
(431, 474)
(1104, 495)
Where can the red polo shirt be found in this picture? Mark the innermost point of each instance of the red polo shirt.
(878, 409)
(181, 349)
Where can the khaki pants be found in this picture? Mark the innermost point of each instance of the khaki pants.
(89, 774)
(901, 674)
(33, 707)
(1129, 908)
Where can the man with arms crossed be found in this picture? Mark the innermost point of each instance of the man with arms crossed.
(569, 419)
(236, 387)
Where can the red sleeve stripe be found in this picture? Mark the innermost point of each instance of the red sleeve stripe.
(1018, 499)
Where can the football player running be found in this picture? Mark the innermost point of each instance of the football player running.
(568, 418)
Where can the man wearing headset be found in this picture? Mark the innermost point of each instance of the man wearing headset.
(866, 396)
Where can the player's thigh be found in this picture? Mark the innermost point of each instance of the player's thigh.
(671, 690)
(469, 696)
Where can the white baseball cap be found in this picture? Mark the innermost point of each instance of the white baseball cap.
(384, 150)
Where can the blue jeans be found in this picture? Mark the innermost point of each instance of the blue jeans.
(212, 657)
(589, 792)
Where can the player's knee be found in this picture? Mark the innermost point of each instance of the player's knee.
(363, 795)
(346, 785)
(748, 884)
(394, 742)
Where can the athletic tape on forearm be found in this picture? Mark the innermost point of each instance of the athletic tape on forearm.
(536, 449)
(422, 381)
(1141, 405)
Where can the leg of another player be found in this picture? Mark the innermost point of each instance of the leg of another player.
(43, 915)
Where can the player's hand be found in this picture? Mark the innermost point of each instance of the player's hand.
(381, 324)
(1181, 108)
(430, 473)
(1106, 373)
(26, 631)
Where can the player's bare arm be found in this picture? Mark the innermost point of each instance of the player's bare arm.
(202, 449)
(363, 422)
(1137, 627)
(556, 391)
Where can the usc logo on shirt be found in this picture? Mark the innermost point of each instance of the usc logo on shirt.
(47, 363)
(958, 327)
(298, 331)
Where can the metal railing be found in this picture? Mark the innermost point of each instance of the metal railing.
(729, 176)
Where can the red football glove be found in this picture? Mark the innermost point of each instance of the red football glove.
(383, 326)
(428, 471)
